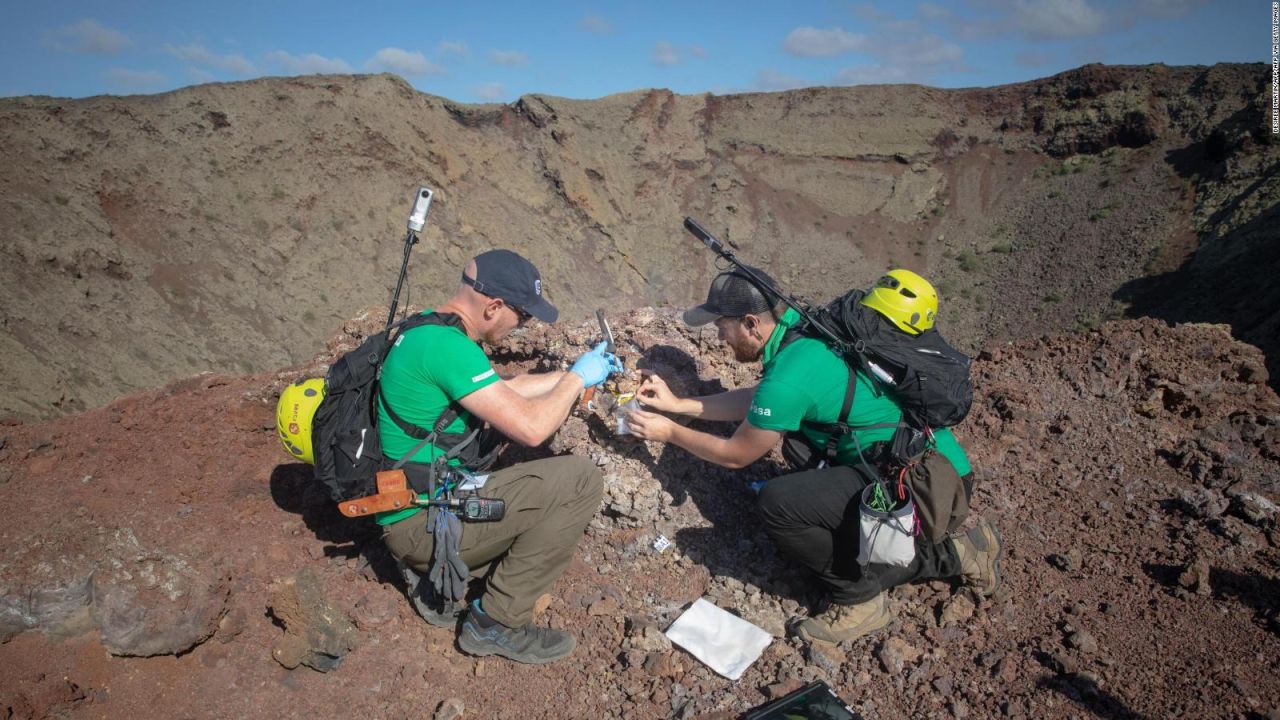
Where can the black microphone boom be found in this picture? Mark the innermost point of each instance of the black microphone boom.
(806, 311)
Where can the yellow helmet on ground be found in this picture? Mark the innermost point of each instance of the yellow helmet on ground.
(906, 299)
(294, 412)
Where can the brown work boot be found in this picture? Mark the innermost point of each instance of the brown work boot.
(839, 623)
(979, 551)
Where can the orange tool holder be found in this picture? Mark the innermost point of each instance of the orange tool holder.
(393, 494)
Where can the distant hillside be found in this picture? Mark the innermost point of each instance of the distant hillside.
(231, 227)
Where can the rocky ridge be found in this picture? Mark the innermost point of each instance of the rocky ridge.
(230, 226)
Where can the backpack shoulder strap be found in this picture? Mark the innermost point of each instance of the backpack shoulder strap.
(410, 323)
(450, 414)
(840, 427)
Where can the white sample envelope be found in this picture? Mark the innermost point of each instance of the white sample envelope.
(725, 642)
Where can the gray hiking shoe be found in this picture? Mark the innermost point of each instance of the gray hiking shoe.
(979, 551)
(839, 623)
(482, 635)
(430, 606)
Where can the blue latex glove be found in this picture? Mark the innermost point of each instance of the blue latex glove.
(595, 366)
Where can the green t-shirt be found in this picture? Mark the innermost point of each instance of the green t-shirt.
(428, 368)
(806, 380)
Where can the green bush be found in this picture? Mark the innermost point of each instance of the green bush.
(1004, 248)
(967, 260)
(1103, 212)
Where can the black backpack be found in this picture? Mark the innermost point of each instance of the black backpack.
(344, 431)
(927, 377)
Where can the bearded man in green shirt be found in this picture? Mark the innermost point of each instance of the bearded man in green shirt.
(437, 376)
(812, 515)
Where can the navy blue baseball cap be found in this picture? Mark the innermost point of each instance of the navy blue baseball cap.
(506, 275)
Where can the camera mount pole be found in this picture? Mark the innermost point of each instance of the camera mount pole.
(417, 220)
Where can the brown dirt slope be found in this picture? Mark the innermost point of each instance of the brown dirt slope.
(226, 227)
(1132, 469)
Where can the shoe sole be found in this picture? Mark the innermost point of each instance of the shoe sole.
(995, 562)
(487, 650)
(804, 635)
(441, 621)
(436, 619)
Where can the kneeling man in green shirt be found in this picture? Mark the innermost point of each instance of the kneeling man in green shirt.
(812, 514)
(437, 377)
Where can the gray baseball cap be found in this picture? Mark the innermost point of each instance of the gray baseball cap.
(734, 294)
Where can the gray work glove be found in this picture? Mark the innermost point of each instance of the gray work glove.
(448, 571)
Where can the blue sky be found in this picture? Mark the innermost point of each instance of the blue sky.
(496, 51)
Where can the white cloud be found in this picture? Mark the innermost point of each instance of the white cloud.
(198, 55)
(904, 57)
(933, 11)
(698, 51)
(596, 24)
(1058, 18)
(1168, 8)
(402, 62)
(134, 79)
(508, 57)
(309, 64)
(201, 76)
(875, 74)
(770, 81)
(491, 92)
(90, 37)
(453, 48)
(664, 53)
(812, 42)
(899, 50)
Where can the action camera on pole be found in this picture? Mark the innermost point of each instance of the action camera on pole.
(417, 220)
(421, 203)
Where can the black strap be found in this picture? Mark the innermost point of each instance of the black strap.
(414, 431)
(841, 425)
(446, 418)
(836, 431)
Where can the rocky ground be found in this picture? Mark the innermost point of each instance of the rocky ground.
(161, 558)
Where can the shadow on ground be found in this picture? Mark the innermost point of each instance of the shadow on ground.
(1231, 281)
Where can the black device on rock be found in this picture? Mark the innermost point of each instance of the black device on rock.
(815, 701)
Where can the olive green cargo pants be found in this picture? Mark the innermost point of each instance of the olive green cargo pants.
(549, 503)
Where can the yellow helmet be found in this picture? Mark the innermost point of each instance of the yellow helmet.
(294, 412)
(906, 299)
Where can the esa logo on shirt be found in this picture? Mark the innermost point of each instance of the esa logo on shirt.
(761, 411)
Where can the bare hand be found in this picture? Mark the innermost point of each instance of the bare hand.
(654, 393)
(650, 426)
